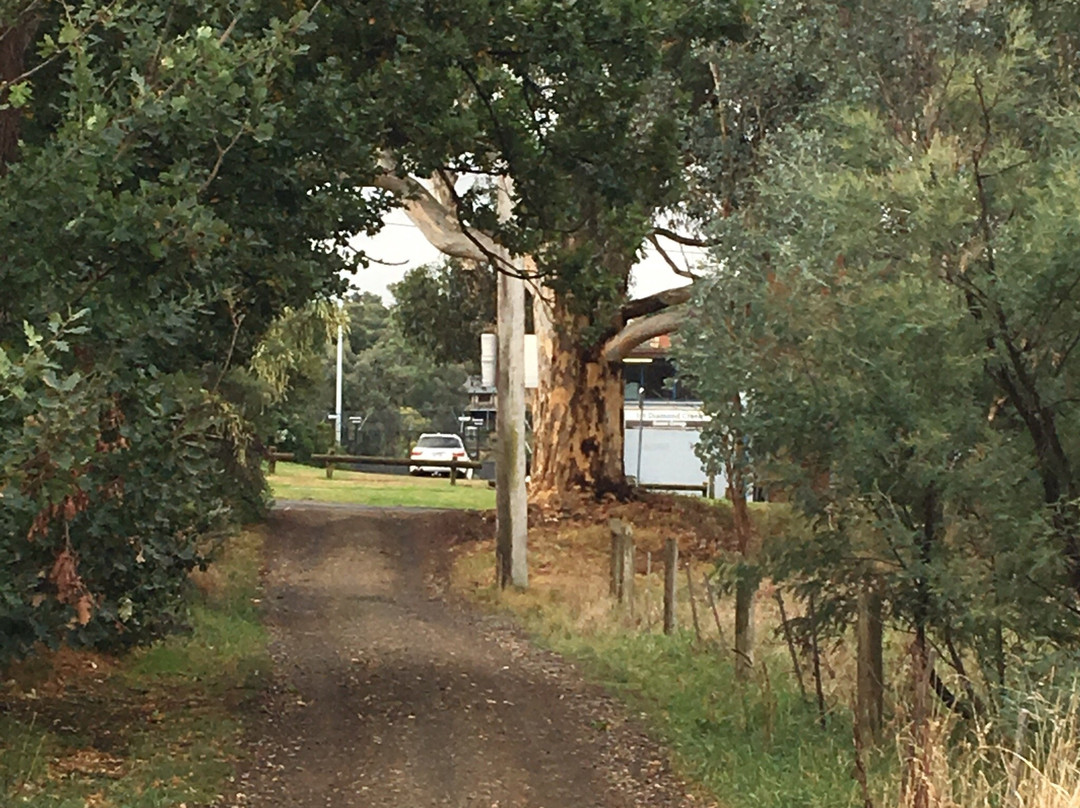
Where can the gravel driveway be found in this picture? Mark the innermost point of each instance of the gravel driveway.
(387, 694)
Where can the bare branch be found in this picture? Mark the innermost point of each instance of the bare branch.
(667, 258)
(644, 329)
(658, 302)
(679, 238)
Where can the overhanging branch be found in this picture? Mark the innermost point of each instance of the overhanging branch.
(439, 226)
(642, 330)
(679, 238)
(658, 302)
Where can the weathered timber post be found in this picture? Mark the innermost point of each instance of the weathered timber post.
(693, 600)
(622, 563)
(329, 469)
(271, 460)
(671, 567)
(453, 472)
(870, 690)
(615, 568)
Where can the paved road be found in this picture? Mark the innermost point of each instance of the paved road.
(388, 695)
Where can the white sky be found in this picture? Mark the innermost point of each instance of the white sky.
(400, 241)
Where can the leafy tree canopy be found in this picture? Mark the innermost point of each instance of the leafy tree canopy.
(443, 309)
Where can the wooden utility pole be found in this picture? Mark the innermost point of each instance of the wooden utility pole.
(511, 505)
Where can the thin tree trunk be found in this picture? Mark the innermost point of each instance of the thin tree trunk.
(795, 666)
(815, 656)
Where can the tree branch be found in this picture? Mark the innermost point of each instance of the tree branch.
(435, 221)
(644, 329)
(658, 302)
(667, 258)
(679, 238)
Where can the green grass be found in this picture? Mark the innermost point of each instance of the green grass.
(154, 728)
(750, 745)
(295, 481)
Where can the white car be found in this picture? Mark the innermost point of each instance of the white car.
(438, 446)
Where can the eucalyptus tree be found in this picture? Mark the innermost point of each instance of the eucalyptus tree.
(899, 307)
(586, 107)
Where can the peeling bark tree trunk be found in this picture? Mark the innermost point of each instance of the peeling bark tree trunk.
(14, 40)
(577, 414)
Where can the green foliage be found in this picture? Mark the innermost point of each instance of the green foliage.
(166, 711)
(102, 517)
(167, 188)
(443, 309)
(399, 391)
(582, 104)
(895, 315)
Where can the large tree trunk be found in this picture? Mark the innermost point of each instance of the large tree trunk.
(577, 412)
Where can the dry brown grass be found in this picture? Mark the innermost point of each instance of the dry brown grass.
(1035, 766)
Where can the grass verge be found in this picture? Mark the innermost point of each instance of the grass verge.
(154, 728)
(756, 743)
(296, 481)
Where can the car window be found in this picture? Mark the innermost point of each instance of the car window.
(439, 442)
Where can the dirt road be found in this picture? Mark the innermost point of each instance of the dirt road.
(387, 694)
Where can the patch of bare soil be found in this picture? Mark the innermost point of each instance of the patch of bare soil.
(388, 694)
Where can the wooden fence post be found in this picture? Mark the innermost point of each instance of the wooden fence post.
(453, 472)
(870, 691)
(271, 460)
(615, 580)
(622, 563)
(329, 469)
(671, 567)
(626, 590)
(693, 600)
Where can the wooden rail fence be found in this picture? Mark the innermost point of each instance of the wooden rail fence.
(331, 460)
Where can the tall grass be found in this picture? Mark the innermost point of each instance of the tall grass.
(751, 744)
(1032, 764)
